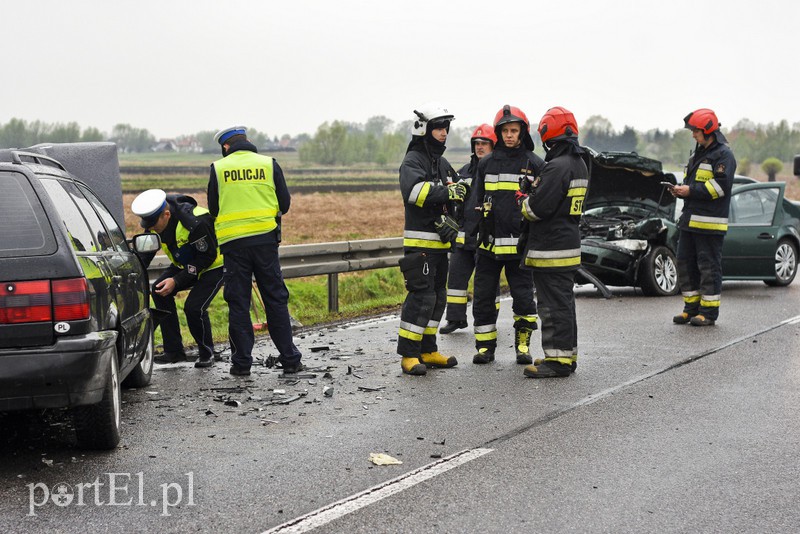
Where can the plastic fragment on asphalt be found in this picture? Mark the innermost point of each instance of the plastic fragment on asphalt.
(367, 388)
(234, 403)
(327, 391)
(379, 458)
(319, 348)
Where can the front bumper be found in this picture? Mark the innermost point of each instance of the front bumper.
(611, 264)
(71, 372)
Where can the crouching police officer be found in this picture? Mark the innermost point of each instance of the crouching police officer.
(188, 240)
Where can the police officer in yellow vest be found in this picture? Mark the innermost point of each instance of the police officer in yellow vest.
(188, 240)
(247, 194)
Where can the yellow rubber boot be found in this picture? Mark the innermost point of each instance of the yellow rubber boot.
(437, 359)
(411, 366)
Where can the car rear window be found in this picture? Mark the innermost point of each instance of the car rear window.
(26, 230)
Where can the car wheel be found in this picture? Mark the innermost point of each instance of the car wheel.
(97, 426)
(658, 273)
(143, 372)
(785, 263)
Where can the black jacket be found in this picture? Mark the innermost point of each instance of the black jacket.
(496, 185)
(423, 184)
(709, 175)
(200, 252)
(553, 211)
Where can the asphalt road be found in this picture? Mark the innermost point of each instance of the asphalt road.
(663, 428)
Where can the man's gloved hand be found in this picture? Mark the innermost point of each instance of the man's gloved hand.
(457, 191)
(447, 228)
(520, 197)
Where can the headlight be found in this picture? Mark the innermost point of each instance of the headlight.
(630, 244)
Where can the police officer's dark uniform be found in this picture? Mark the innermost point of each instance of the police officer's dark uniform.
(496, 185)
(553, 208)
(247, 193)
(427, 236)
(704, 221)
(189, 242)
(462, 255)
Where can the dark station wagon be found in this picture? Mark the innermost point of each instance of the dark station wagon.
(629, 235)
(74, 316)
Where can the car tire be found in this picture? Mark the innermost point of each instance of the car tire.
(97, 426)
(785, 263)
(658, 273)
(143, 372)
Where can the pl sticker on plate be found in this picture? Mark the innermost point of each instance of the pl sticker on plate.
(62, 328)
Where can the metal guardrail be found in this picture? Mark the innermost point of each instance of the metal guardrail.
(325, 259)
(343, 257)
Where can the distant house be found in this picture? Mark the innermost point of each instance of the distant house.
(188, 144)
(165, 145)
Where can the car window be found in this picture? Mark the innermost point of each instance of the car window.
(79, 232)
(99, 231)
(115, 233)
(25, 228)
(756, 206)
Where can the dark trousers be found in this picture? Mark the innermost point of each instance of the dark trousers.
(484, 312)
(555, 295)
(700, 273)
(201, 293)
(462, 263)
(423, 308)
(261, 262)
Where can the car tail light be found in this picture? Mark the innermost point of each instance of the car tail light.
(71, 299)
(38, 301)
(25, 302)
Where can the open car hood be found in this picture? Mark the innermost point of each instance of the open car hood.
(628, 179)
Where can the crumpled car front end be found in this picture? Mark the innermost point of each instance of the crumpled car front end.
(627, 212)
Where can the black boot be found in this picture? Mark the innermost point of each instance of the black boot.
(522, 341)
(550, 368)
(484, 355)
(171, 357)
(452, 326)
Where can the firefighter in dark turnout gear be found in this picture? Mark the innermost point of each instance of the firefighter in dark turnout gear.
(496, 185)
(552, 204)
(426, 185)
(188, 240)
(462, 255)
(247, 193)
(704, 221)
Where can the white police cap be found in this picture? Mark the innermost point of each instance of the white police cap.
(149, 205)
(223, 135)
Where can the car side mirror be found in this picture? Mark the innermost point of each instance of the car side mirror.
(146, 243)
(797, 165)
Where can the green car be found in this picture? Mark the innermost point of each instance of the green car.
(629, 234)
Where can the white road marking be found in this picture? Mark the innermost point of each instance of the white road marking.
(333, 511)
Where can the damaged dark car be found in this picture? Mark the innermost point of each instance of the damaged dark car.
(629, 235)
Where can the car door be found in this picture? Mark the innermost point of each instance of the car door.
(134, 283)
(749, 247)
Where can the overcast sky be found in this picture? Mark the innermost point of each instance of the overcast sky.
(178, 67)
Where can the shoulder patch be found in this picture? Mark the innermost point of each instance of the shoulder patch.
(201, 244)
(191, 269)
(720, 168)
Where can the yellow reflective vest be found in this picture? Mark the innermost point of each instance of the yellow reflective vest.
(248, 204)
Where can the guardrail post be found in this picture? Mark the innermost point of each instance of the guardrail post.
(333, 292)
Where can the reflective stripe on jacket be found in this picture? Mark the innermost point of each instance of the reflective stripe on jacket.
(709, 175)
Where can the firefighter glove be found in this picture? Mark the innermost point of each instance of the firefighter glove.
(520, 197)
(457, 191)
(447, 228)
